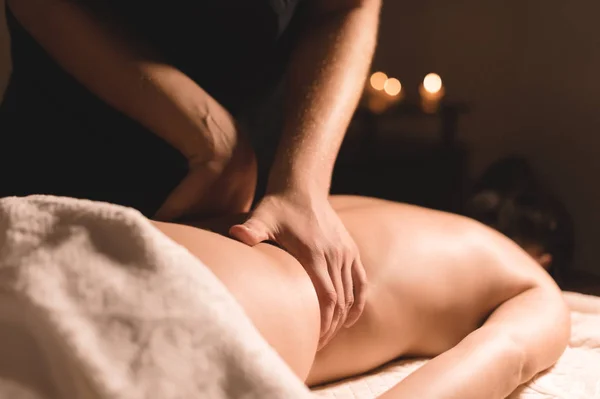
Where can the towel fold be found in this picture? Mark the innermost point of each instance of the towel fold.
(97, 303)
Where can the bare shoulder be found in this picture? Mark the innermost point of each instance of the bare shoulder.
(375, 213)
(344, 202)
(454, 229)
(452, 252)
(355, 205)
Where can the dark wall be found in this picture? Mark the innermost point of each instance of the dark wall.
(529, 69)
(4, 56)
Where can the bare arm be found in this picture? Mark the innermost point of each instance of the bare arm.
(326, 77)
(525, 335)
(127, 76)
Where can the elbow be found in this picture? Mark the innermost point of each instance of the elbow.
(520, 360)
(522, 364)
(554, 328)
(510, 362)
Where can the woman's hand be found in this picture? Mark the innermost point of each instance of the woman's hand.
(310, 230)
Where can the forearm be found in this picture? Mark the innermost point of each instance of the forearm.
(524, 336)
(125, 75)
(325, 80)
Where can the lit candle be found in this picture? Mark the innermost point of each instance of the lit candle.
(431, 91)
(382, 92)
(378, 80)
(393, 89)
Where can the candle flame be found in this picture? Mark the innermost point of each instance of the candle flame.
(378, 80)
(392, 86)
(432, 83)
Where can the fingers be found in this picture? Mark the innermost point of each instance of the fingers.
(319, 241)
(348, 289)
(337, 300)
(326, 294)
(359, 279)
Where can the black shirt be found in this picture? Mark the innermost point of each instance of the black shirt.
(58, 138)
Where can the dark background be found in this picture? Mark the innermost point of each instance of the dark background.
(529, 71)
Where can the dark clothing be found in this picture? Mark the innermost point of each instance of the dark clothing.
(58, 138)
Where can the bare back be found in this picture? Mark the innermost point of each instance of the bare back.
(430, 285)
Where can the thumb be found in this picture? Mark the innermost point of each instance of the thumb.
(252, 232)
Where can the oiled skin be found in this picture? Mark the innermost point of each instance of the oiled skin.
(433, 277)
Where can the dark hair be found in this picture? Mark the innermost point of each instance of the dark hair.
(509, 199)
(506, 176)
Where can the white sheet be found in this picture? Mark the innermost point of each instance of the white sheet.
(97, 303)
(575, 376)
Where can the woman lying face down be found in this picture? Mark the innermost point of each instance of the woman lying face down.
(440, 285)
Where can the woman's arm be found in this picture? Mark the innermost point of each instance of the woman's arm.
(523, 336)
(129, 77)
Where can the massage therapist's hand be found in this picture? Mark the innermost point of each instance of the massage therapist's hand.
(312, 232)
(220, 185)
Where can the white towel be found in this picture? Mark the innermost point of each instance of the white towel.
(97, 303)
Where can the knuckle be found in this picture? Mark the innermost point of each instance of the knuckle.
(331, 298)
(319, 259)
(334, 256)
(359, 306)
(351, 256)
(312, 260)
(313, 251)
(340, 252)
(308, 246)
(362, 281)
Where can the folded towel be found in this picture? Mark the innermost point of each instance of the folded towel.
(97, 303)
